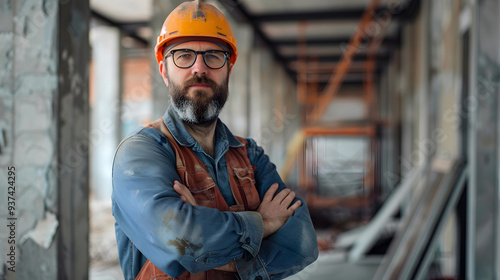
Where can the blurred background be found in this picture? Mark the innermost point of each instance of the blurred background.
(381, 114)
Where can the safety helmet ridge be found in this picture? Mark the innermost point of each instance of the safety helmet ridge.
(195, 19)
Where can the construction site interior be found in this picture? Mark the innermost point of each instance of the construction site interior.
(383, 115)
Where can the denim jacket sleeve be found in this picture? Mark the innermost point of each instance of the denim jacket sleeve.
(167, 231)
(294, 245)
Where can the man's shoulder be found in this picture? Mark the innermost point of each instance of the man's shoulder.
(149, 134)
(144, 138)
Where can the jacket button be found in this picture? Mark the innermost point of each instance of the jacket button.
(258, 278)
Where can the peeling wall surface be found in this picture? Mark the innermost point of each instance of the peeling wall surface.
(43, 107)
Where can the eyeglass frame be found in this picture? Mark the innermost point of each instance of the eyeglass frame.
(226, 57)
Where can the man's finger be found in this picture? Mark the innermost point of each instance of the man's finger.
(181, 189)
(282, 195)
(185, 194)
(288, 199)
(295, 206)
(178, 188)
(270, 192)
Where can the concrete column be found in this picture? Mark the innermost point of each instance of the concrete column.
(105, 123)
(161, 98)
(483, 196)
(273, 110)
(266, 106)
(44, 110)
(421, 86)
(255, 94)
(407, 161)
(236, 112)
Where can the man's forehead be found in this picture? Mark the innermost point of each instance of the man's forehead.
(175, 42)
(197, 45)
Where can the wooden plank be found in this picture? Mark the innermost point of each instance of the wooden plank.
(292, 153)
(340, 131)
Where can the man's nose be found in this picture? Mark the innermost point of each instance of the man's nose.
(199, 67)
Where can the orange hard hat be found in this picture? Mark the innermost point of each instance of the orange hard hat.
(195, 19)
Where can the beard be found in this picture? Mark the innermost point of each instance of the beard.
(201, 110)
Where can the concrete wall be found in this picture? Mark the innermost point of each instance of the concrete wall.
(389, 100)
(161, 9)
(450, 73)
(482, 105)
(429, 83)
(105, 123)
(274, 112)
(44, 118)
(445, 72)
(236, 112)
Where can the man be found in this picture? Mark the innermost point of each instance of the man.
(192, 201)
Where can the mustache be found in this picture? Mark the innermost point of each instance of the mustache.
(200, 80)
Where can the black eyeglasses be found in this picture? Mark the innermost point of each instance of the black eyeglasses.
(185, 58)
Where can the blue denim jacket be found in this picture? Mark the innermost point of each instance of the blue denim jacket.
(152, 221)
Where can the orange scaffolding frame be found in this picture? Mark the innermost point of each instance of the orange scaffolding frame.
(315, 105)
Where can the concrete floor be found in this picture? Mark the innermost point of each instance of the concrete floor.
(332, 265)
(104, 263)
(106, 272)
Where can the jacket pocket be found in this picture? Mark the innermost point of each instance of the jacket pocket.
(244, 178)
(202, 187)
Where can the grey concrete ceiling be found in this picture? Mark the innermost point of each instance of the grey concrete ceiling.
(124, 10)
(327, 24)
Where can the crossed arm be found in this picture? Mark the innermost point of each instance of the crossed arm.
(274, 209)
(147, 208)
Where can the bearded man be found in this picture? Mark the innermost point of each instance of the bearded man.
(190, 199)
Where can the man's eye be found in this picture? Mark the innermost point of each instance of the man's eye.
(184, 55)
(213, 56)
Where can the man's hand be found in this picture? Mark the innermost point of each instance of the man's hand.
(230, 267)
(187, 197)
(185, 193)
(276, 211)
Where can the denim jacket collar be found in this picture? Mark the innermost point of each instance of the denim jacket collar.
(223, 135)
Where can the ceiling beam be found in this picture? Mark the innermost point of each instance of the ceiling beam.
(349, 77)
(380, 57)
(394, 41)
(345, 14)
(134, 25)
(329, 67)
(240, 12)
(353, 14)
(120, 25)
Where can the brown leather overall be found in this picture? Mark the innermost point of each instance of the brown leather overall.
(196, 177)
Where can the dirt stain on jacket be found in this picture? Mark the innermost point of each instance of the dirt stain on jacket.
(183, 246)
(170, 219)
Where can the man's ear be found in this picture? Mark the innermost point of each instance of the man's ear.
(230, 69)
(163, 71)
